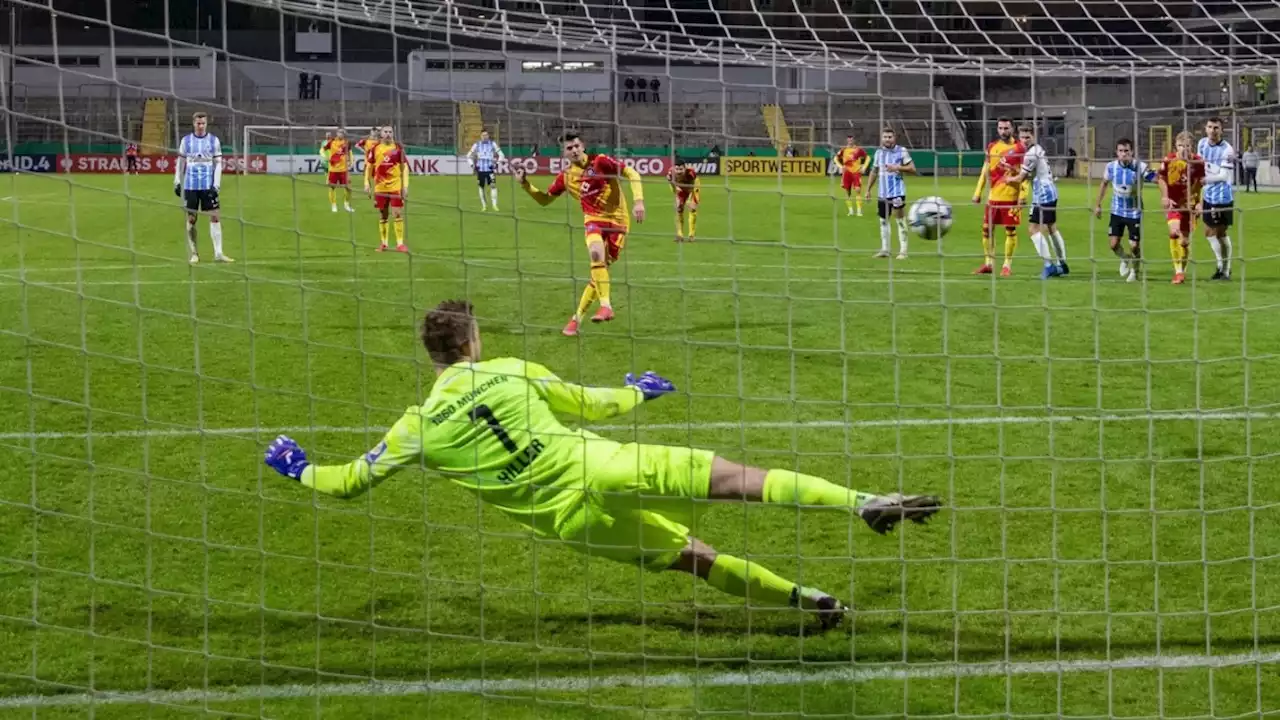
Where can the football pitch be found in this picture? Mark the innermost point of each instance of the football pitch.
(1108, 452)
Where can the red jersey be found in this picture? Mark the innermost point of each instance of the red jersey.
(1183, 178)
(596, 186)
(685, 180)
(1004, 160)
(131, 150)
(366, 145)
(851, 158)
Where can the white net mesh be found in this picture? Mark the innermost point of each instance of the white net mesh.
(1108, 544)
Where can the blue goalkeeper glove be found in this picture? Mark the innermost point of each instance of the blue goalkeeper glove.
(651, 384)
(285, 457)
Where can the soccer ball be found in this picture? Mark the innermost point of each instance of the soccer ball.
(930, 217)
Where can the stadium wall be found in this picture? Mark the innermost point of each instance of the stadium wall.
(340, 81)
(69, 71)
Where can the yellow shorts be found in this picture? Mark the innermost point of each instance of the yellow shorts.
(638, 507)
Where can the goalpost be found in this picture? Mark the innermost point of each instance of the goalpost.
(1105, 449)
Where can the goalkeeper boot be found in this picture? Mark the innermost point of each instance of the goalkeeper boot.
(571, 330)
(830, 611)
(882, 512)
(604, 314)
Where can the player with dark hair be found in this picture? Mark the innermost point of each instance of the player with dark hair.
(684, 182)
(853, 160)
(1004, 197)
(386, 180)
(490, 426)
(1217, 195)
(593, 181)
(131, 158)
(1125, 176)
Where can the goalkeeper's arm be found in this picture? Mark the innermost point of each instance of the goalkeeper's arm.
(588, 403)
(401, 447)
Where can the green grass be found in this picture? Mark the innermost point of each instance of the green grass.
(137, 556)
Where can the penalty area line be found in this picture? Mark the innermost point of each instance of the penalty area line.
(688, 426)
(853, 674)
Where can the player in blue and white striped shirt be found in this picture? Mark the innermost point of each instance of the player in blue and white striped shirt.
(484, 157)
(197, 178)
(890, 162)
(1044, 205)
(1125, 175)
(1217, 196)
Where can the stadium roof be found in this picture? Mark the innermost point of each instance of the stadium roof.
(1093, 37)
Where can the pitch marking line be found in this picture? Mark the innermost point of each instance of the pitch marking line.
(758, 678)
(689, 426)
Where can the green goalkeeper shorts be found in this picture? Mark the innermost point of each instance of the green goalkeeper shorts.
(640, 504)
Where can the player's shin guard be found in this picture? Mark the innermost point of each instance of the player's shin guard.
(786, 487)
(215, 234)
(759, 585)
(1010, 244)
(1226, 254)
(1059, 246)
(382, 231)
(600, 278)
(399, 226)
(988, 246)
(584, 303)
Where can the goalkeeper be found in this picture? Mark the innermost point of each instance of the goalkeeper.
(489, 426)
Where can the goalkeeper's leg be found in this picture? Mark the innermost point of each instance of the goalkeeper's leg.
(755, 583)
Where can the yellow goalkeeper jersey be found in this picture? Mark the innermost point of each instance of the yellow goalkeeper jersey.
(491, 427)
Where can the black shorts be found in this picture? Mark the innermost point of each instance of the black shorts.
(131, 161)
(885, 205)
(484, 177)
(200, 200)
(1218, 215)
(1120, 224)
(1045, 214)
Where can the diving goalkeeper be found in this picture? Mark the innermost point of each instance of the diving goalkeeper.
(489, 426)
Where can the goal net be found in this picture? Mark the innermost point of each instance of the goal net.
(1101, 439)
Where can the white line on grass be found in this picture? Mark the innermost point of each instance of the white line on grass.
(584, 683)
(744, 425)
(677, 281)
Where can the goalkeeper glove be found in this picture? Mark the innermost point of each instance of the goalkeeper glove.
(285, 457)
(651, 384)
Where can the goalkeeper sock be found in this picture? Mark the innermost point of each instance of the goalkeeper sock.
(588, 297)
(693, 223)
(1010, 245)
(758, 584)
(600, 278)
(333, 196)
(382, 231)
(399, 225)
(680, 223)
(191, 236)
(481, 191)
(902, 235)
(215, 234)
(493, 197)
(785, 487)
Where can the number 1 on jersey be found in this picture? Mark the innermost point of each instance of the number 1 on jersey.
(482, 412)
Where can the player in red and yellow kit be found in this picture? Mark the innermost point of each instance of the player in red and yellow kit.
(688, 190)
(593, 181)
(336, 153)
(366, 144)
(854, 160)
(387, 167)
(1180, 178)
(497, 429)
(1004, 199)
